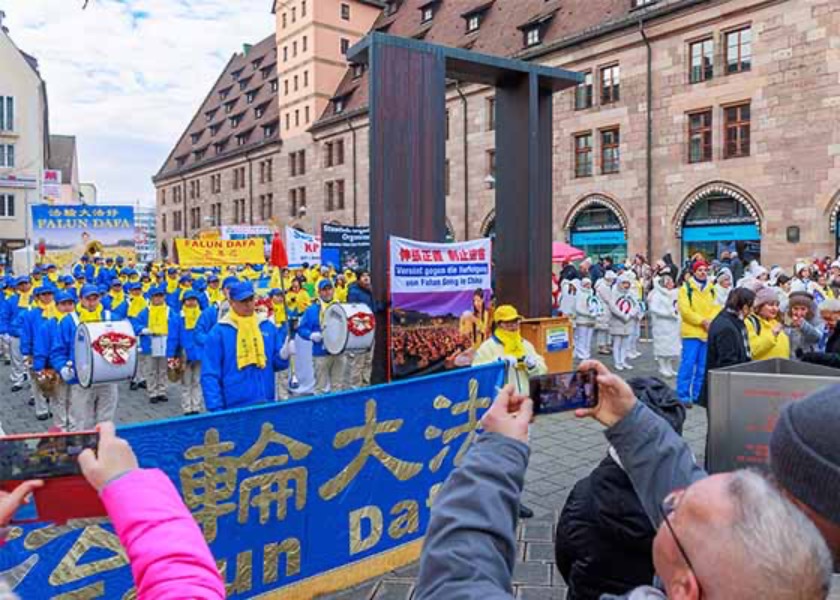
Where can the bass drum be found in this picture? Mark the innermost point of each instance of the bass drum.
(348, 327)
(105, 352)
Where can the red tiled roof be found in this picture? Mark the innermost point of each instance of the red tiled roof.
(250, 80)
(500, 32)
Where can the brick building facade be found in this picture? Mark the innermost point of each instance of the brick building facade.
(742, 151)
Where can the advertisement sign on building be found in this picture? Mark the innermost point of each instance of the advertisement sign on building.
(51, 188)
(439, 299)
(67, 232)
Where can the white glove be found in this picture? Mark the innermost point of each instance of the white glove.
(509, 361)
(316, 337)
(531, 362)
(67, 372)
(287, 350)
(145, 331)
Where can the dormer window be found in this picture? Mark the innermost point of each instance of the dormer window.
(242, 138)
(219, 147)
(427, 14)
(266, 73)
(533, 36)
(236, 74)
(235, 121)
(229, 106)
(339, 105)
(214, 129)
(473, 23)
(181, 161)
(224, 93)
(358, 70)
(250, 96)
(269, 130)
(274, 86)
(208, 116)
(196, 136)
(199, 154)
(244, 83)
(260, 110)
(255, 64)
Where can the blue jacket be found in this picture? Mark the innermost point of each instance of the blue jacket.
(64, 344)
(118, 312)
(31, 323)
(15, 315)
(4, 307)
(141, 322)
(311, 323)
(356, 294)
(226, 386)
(42, 348)
(184, 340)
(105, 276)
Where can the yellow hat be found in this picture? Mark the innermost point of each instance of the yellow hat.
(506, 312)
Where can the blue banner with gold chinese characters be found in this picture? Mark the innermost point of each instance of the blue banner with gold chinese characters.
(306, 496)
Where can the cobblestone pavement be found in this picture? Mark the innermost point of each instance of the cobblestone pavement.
(564, 449)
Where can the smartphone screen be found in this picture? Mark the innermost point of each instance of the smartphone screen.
(559, 392)
(43, 456)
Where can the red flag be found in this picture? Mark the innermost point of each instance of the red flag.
(279, 258)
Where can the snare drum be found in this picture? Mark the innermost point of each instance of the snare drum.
(348, 327)
(105, 352)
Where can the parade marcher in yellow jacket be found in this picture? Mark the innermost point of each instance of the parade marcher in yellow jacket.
(766, 331)
(697, 309)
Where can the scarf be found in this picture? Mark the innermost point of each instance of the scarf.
(171, 285)
(158, 319)
(250, 348)
(49, 311)
(53, 276)
(191, 316)
(279, 313)
(324, 307)
(117, 299)
(511, 342)
(24, 299)
(183, 290)
(90, 316)
(215, 295)
(136, 304)
(146, 287)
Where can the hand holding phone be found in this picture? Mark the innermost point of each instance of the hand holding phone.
(615, 397)
(10, 502)
(114, 458)
(560, 392)
(43, 456)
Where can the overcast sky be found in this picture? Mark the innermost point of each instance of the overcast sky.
(126, 76)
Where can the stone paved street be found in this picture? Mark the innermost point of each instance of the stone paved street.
(564, 449)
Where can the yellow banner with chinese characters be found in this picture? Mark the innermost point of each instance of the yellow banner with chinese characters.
(212, 253)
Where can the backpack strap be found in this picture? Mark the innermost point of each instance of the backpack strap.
(756, 324)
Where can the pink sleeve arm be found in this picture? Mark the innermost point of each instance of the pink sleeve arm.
(168, 555)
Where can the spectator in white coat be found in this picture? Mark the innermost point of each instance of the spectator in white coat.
(665, 320)
(603, 289)
(723, 285)
(624, 310)
(588, 309)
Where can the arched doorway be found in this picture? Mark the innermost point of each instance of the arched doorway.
(832, 223)
(597, 226)
(720, 218)
(164, 250)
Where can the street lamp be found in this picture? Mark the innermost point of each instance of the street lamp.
(490, 181)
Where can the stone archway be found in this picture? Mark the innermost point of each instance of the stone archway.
(716, 188)
(589, 201)
(488, 225)
(834, 208)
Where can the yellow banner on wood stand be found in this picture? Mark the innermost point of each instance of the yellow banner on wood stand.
(213, 253)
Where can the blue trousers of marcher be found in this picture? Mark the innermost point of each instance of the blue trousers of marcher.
(692, 369)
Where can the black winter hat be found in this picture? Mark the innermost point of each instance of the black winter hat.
(805, 451)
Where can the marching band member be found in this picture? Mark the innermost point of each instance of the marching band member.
(297, 300)
(182, 348)
(98, 403)
(115, 301)
(588, 308)
(15, 307)
(153, 325)
(329, 368)
(624, 311)
(278, 306)
(33, 322)
(5, 343)
(241, 355)
(136, 304)
(214, 290)
(341, 289)
(214, 313)
(65, 304)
